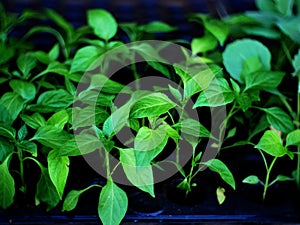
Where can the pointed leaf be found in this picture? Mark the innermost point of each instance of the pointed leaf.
(293, 138)
(279, 119)
(7, 185)
(23, 88)
(34, 121)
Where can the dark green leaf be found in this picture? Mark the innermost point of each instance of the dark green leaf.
(290, 27)
(46, 191)
(13, 105)
(7, 131)
(34, 121)
(7, 185)
(5, 149)
(279, 119)
(25, 89)
(113, 204)
(26, 62)
(22, 132)
(296, 64)
(52, 101)
(28, 146)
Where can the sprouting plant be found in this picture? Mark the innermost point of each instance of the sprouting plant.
(271, 144)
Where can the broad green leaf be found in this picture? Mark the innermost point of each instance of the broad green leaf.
(296, 64)
(217, 94)
(51, 136)
(235, 86)
(84, 58)
(52, 101)
(54, 67)
(59, 119)
(25, 89)
(284, 7)
(270, 143)
(6, 147)
(7, 131)
(28, 146)
(193, 127)
(237, 52)
(70, 87)
(148, 139)
(34, 121)
(279, 119)
(293, 138)
(104, 84)
(198, 82)
(251, 65)
(26, 62)
(267, 32)
(263, 80)
(265, 5)
(13, 104)
(156, 27)
(46, 191)
(151, 105)
(163, 69)
(54, 52)
(204, 44)
(84, 143)
(9, 53)
(218, 29)
(219, 167)
(113, 204)
(290, 27)
(252, 179)
(58, 168)
(88, 116)
(103, 23)
(139, 176)
(7, 185)
(220, 192)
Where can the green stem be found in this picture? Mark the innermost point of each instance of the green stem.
(20, 156)
(298, 148)
(268, 178)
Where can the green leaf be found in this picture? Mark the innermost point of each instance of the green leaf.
(51, 136)
(52, 101)
(176, 93)
(104, 84)
(217, 94)
(117, 120)
(23, 88)
(252, 179)
(267, 32)
(251, 65)
(262, 125)
(34, 121)
(204, 44)
(238, 52)
(46, 191)
(7, 131)
(296, 64)
(265, 5)
(71, 200)
(113, 204)
(279, 119)
(26, 62)
(28, 146)
(13, 105)
(283, 178)
(290, 27)
(218, 29)
(84, 58)
(7, 185)
(270, 143)
(219, 167)
(293, 138)
(59, 119)
(103, 23)
(22, 132)
(54, 53)
(140, 176)
(151, 105)
(157, 27)
(193, 127)
(198, 82)
(6, 148)
(263, 80)
(58, 167)
(9, 53)
(284, 7)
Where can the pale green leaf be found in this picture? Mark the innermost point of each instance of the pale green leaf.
(59, 119)
(293, 138)
(252, 179)
(204, 44)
